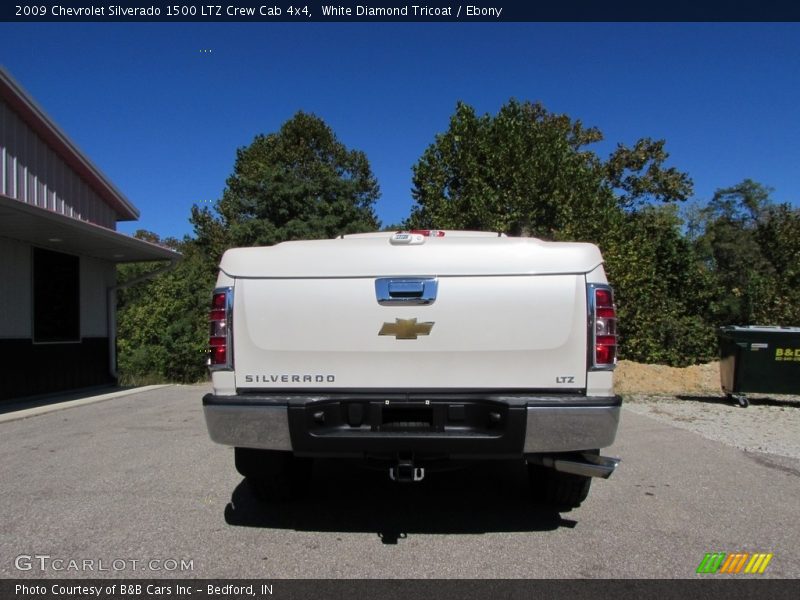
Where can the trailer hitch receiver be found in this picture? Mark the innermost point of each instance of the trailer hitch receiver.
(405, 471)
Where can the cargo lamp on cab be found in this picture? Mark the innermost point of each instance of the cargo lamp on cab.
(415, 236)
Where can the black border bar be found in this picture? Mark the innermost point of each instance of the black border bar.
(428, 11)
(709, 588)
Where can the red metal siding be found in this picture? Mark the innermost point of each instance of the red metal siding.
(36, 175)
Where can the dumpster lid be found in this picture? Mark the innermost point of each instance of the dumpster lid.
(760, 328)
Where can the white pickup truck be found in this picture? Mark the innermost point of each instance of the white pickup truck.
(411, 349)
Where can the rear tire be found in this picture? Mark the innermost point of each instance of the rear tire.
(273, 475)
(562, 491)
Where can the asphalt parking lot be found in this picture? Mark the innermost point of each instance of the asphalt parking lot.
(137, 481)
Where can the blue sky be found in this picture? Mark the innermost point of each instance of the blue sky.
(163, 120)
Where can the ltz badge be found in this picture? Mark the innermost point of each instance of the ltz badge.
(406, 329)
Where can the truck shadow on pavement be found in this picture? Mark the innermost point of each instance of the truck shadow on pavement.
(494, 497)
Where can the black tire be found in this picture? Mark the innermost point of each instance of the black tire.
(273, 475)
(562, 491)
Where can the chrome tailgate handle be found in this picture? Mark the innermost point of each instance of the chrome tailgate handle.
(392, 291)
(406, 288)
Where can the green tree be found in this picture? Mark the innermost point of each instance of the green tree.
(742, 277)
(661, 291)
(778, 235)
(298, 183)
(638, 174)
(747, 244)
(162, 323)
(529, 171)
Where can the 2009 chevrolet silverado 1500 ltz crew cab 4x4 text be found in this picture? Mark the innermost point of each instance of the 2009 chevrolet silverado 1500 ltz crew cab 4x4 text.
(411, 349)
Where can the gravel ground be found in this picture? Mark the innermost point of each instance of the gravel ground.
(692, 399)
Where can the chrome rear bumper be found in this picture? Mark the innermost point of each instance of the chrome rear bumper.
(554, 428)
(569, 428)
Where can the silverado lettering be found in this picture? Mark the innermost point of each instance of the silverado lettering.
(289, 378)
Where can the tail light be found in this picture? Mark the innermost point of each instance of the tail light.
(220, 335)
(602, 327)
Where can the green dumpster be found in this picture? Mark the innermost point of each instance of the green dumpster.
(759, 359)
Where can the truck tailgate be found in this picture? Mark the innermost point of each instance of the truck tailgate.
(521, 332)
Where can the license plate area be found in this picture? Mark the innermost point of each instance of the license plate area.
(407, 417)
(371, 424)
(404, 417)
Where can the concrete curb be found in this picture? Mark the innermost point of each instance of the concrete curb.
(54, 405)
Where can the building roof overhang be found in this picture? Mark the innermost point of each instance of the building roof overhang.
(48, 229)
(35, 117)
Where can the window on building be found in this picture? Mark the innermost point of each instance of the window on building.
(56, 297)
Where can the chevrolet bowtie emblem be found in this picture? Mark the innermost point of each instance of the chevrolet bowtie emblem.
(406, 329)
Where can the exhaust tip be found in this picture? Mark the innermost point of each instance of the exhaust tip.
(587, 465)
